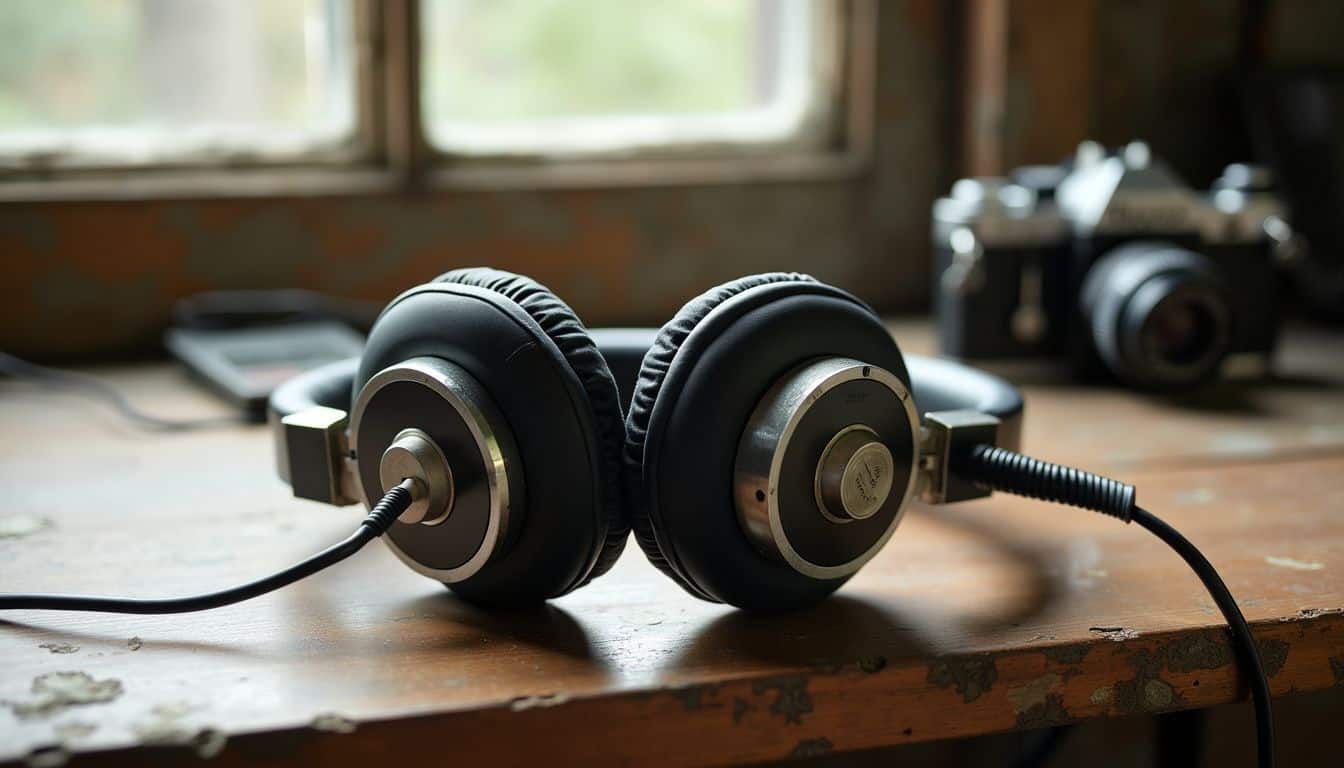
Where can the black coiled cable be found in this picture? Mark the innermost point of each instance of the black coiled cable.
(375, 524)
(1004, 470)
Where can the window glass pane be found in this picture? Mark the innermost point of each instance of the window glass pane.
(143, 80)
(593, 75)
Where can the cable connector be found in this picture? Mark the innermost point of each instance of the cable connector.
(393, 503)
(946, 433)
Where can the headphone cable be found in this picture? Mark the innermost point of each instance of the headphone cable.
(375, 524)
(1011, 472)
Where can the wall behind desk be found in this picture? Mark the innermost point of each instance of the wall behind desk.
(97, 278)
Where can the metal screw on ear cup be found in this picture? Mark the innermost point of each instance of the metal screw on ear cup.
(854, 475)
(415, 455)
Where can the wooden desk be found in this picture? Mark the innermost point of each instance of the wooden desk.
(993, 615)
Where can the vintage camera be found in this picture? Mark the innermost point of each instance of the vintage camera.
(1110, 261)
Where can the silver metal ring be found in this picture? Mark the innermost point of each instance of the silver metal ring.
(765, 441)
(493, 439)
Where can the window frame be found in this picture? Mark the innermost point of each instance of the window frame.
(358, 147)
(390, 151)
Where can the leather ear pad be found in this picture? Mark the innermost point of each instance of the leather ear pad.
(698, 384)
(563, 327)
(571, 492)
(937, 385)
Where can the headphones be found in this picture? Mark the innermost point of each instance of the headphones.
(771, 439)
(762, 445)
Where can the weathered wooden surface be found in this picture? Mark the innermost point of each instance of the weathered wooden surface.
(993, 615)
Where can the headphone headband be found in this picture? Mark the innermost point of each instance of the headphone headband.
(938, 385)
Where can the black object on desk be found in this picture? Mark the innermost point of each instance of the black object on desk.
(246, 364)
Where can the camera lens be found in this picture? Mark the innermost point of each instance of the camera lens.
(1180, 330)
(1158, 313)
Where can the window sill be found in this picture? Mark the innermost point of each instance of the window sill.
(200, 184)
(375, 181)
(650, 172)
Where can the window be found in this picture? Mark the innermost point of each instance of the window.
(116, 82)
(91, 84)
(522, 76)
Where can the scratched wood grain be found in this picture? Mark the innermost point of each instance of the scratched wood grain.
(983, 617)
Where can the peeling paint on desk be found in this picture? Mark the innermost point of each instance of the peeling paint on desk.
(56, 691)
(1311, 613)
(19, 526)
(1114, 634)
(74, 730)
(693, 697)
(971, 676)
(1067, 654)
(811, 748)
(49, 756)
(1198, 652)
(163, 726)
(1146, 691)
(792, 700)
(60, 648)
(533, 702)
(1025, 697)
(333, 723)
(1049, 712)
(1158, 694)
(205, 742)
(1273, 654)
(1294, 563)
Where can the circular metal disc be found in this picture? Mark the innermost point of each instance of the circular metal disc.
(414, 454)
(779, 489)
(446, 403)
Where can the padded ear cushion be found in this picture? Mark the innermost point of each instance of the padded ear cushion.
(700, 382)
(653, 372)
(563, 326)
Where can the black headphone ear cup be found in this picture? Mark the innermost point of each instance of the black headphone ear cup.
(530, 351)
(652, 373)
(697, 387)
(564, 327)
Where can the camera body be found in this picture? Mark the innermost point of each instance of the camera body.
(1111, 262)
